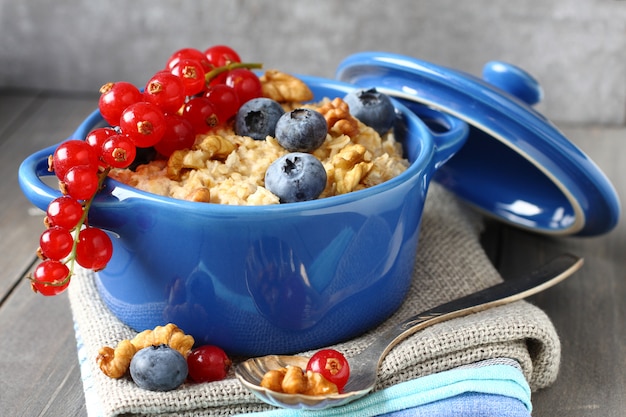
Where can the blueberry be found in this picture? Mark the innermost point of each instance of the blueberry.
(158, 368)
(296, 177)
(373, 108)
(257, 118)
(301, 130)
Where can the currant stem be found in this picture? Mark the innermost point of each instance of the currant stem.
(71, 259)
(231, 66)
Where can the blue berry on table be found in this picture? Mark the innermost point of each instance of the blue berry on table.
(158, 368)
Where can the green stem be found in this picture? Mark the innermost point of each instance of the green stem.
(72, 256)
(231, 66)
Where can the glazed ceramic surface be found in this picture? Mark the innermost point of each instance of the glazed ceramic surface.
(516, 165)
(269, 279)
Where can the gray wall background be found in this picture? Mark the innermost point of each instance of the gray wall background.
(575, 48)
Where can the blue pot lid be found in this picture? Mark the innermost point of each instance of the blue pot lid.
(515, 166)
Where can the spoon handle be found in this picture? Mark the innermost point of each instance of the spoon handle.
(506, 292)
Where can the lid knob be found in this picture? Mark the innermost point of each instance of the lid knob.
(513, 80)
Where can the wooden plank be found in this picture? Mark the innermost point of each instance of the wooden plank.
(588, 309)
(12, 104)
(39, 365)
(45, 123)
(39, 362)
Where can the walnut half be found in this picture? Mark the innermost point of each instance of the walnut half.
(284, 88)
(339, 119)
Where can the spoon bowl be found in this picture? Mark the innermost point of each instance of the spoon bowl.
(364, 366)
(251, 373)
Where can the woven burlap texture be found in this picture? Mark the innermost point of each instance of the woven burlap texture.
(450, 263)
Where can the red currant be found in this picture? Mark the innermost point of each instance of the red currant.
(208, 363)
(201, 113)
(188, 53)
(56, 243)
(94, 248)
(114, 98)
(50, 278)
(73, 153)
(96, 137)
(332, 365)
(246, 84)
(64, 212)
(166, 91)
(119, 151)
(191, 73)
(178, 135)
(220, 55)
(218, 79)
(224, 100)
(144, 123)
(81, 182)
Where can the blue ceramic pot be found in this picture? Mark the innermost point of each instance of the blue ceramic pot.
(266, 279)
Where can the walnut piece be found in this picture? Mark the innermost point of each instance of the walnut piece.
(349, 166)
(199, 195)
(273, 379)
(211, 147)
(339, 119)
(115, 362)
(293, 380)
(284, 88)
(318, 385)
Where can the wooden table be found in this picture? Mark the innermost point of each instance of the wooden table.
(38, 362)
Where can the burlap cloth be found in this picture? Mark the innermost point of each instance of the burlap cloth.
(450, 263)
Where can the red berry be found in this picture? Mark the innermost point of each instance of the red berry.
(72, 153)
(65, 212)
(119, 151)
(166, 91)
(191, 73)
(180, 134)
(50, 278)
(144, 123)
(220, 55)
(224, 100)
(188, 53)
(332, 365)
(96, 137)
(208, 363)
(115, 97)
(56, 243)
(201, 113)
(81, 182)
(218, 79)
(246, 84)
(94, 249)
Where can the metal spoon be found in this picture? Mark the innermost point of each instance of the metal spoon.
(364, 366)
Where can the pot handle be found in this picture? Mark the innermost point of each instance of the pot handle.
(449, 133)
(35, 167)
(30, 174)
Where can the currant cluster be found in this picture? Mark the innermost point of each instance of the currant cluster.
(195, 93)
(67, 238)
